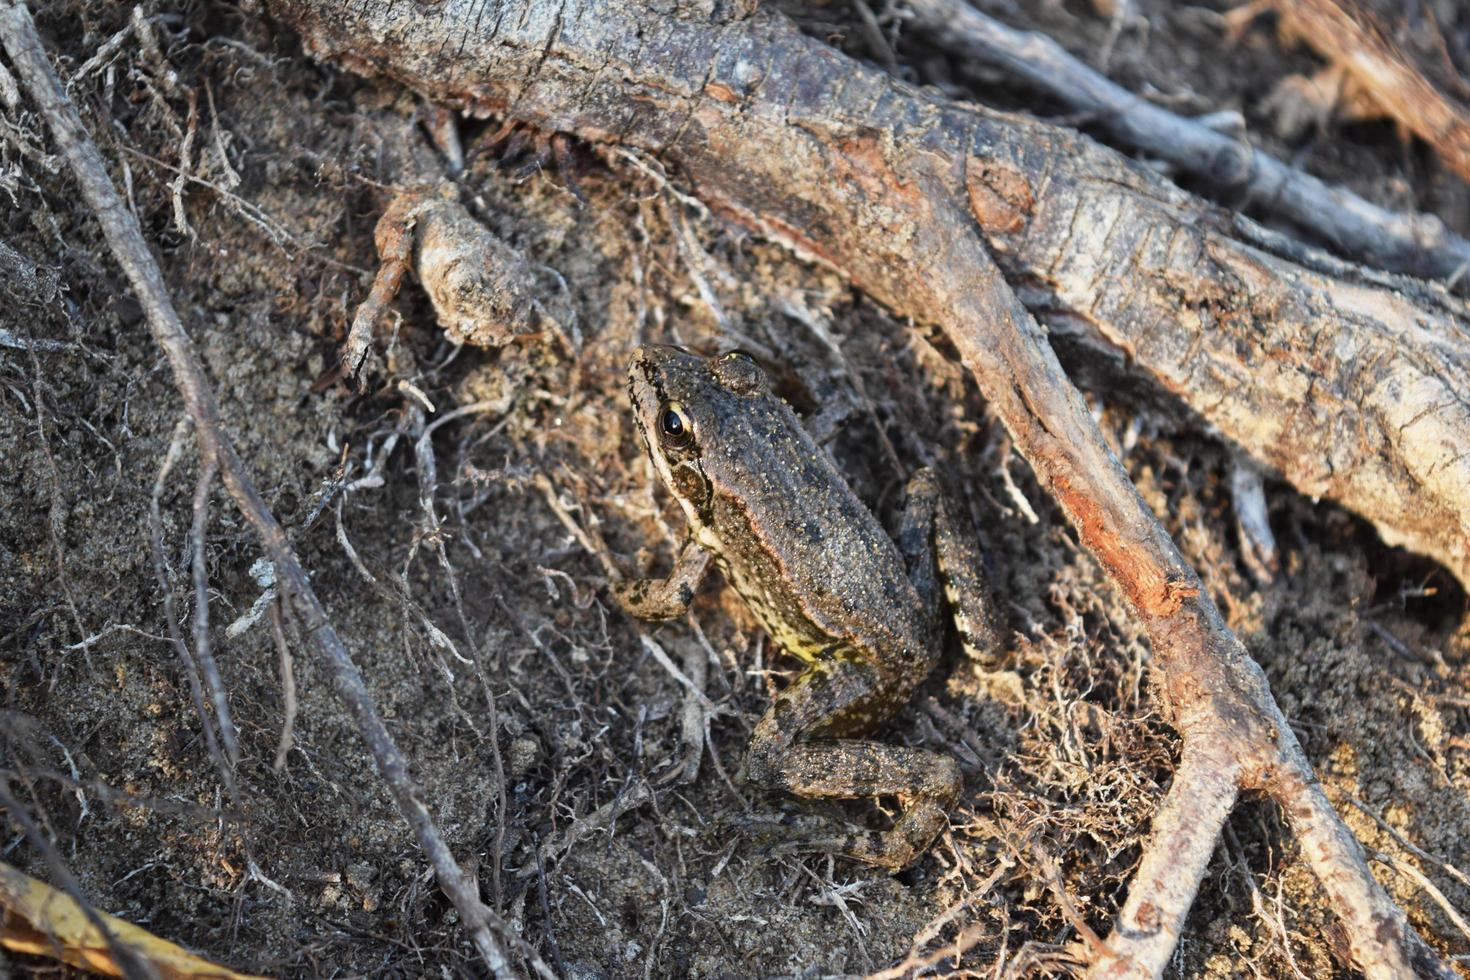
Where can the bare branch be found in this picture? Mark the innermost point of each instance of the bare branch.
(1184, 835)
(882, 182)
(1417, 244)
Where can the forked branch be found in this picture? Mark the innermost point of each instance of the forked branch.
(1349, 388)
(911, 196)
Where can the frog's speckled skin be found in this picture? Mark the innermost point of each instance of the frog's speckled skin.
(822, 576)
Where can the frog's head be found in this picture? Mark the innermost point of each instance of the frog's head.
(683, 404)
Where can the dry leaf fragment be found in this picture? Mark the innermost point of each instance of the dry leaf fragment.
(36, 918)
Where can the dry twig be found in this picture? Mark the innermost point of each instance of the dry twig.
(131, 964)
(23, 46)
(288, 688)
(188, 664)
(1348, 389)
(1417, 244)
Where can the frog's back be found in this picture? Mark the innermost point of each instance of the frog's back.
(818, 570)
(799, 545)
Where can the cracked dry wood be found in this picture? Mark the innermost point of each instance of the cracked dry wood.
(886, 183)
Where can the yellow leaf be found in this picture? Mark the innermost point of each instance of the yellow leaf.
(36, 918)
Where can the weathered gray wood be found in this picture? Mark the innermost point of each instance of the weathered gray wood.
(1414, 243)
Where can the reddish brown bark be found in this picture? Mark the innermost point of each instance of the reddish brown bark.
(1349, 390)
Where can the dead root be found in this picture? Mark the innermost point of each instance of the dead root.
(484, 292)
(217, 455)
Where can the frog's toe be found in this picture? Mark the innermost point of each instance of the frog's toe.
(765, 833)
(895, 849)
(792, 831)
(881, 850)
(786, 822)
(900, 847)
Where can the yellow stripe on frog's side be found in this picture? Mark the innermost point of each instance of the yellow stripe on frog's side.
(791, 629)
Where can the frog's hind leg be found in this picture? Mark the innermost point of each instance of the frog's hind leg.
(793, 749)
(926, 783)
(946, 566)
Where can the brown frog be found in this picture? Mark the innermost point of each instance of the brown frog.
(814, 565)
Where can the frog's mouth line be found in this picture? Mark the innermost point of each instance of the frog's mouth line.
(643, 410)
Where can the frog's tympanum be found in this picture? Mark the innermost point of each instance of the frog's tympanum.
(818, 570)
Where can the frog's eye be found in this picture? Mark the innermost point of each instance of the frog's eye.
(673, 425)
(739, 372)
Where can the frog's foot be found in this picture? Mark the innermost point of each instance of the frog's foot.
(926, 784)
(793, 749)
(808, 833)
(783, 831)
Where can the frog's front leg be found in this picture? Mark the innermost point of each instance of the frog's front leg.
(666, 598)
(946, 567)
(795, 748)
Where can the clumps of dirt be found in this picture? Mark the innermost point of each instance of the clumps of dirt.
(553, 747)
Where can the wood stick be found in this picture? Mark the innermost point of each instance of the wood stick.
(886, 184)
(134, 967)
(1415, 243)
(1205, 786)
(1349, 35)
(23, 45)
